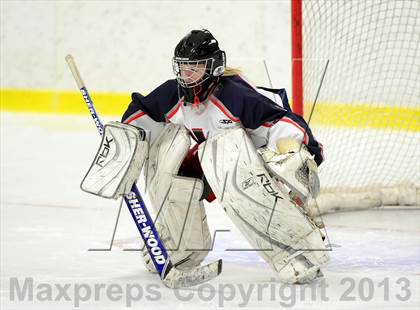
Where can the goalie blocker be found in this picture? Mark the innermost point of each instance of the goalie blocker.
(118, 162)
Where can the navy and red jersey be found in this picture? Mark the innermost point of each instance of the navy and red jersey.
(263, 112)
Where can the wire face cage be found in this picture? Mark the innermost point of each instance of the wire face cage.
(191, 73)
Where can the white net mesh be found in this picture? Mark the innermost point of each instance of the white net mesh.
(367, 114)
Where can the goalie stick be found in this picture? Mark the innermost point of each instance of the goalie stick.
(170, 275)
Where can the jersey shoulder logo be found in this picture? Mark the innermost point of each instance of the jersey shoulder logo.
(225, 121)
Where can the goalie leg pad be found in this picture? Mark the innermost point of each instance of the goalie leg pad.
(275, 226)
(176, 199)
(118, 162)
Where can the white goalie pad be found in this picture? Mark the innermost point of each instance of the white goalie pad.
(175, 200)
(118, 162)
(262, 210)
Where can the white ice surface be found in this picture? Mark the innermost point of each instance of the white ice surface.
(48, 226)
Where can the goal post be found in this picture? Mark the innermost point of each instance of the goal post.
(368, 110)
(296, 47)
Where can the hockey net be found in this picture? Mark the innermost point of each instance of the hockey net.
(367, 112)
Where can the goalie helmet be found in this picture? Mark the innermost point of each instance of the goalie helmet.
(197, 63)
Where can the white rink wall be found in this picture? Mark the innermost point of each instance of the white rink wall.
(127, 45)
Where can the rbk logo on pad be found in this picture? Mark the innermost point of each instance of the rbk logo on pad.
(266, 183)
(104, 152)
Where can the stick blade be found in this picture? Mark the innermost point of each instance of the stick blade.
(186, 278)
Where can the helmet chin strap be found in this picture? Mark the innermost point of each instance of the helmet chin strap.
(196, 93)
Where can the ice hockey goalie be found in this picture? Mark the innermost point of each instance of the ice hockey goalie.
(252, 155)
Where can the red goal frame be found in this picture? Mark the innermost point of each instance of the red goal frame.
(296, 56)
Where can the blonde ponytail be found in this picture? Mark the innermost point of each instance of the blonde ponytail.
(229, 71)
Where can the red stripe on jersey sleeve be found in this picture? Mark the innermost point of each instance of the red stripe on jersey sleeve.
(134, 117)
(175, 111)
(232, 118)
